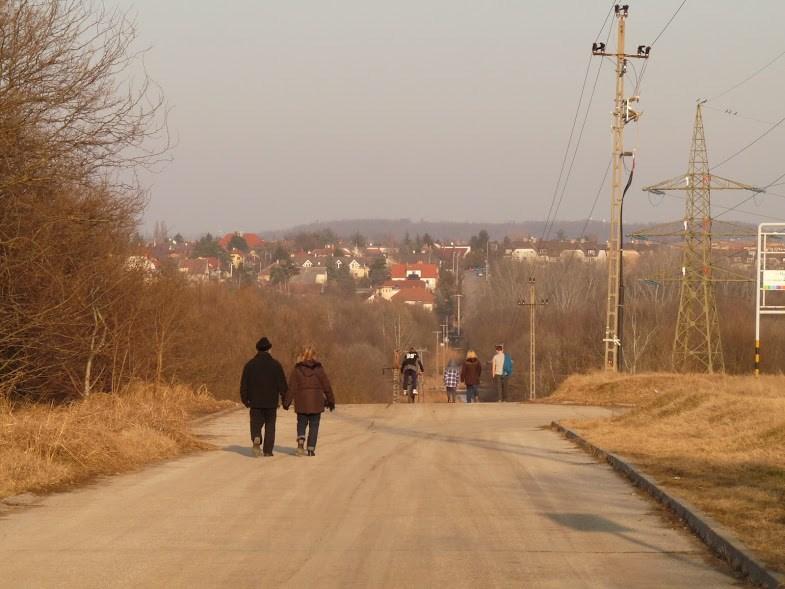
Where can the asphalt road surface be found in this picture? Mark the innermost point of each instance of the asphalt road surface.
(403, 496)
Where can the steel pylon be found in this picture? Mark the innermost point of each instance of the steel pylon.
(697, 345)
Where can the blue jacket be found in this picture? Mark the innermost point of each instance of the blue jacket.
(507, 369)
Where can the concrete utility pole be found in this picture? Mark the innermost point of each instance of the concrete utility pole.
(697, 344)
(487, 263)
(459, 297)
(532, 304)
(622, 114)
(445, 343)
(436, 353)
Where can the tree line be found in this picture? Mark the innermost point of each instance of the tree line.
(570, 327)
(78, 121)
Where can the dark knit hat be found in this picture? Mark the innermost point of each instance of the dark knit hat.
(263, 345)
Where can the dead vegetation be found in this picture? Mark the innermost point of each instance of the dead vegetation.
(717, 441)
(49, 447)
(570, 326)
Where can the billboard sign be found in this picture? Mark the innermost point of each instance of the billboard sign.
(773, 280)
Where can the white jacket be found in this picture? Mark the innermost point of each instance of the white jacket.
(498, 364)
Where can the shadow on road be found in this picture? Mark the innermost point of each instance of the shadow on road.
(247, 452)
(574, 457)
(590, 522)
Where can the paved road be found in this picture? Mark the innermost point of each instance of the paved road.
(404, 496)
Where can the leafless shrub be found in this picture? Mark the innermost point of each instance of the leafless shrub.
(72, 131)
(571, 327)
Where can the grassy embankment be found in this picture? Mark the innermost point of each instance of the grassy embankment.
(717, 441)
(46, 447)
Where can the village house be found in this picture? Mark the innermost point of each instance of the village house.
(388, 289)
(142, 263)
(520, 254)
(306, 261)
(309, 280)
(358, 269)
(253, 241)
(420, 297)
(428, 273)
(376, 251)
(237, 258)
(449, 253)
(200, 269)
(555, 251)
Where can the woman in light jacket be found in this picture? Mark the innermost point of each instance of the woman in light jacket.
(310, 389)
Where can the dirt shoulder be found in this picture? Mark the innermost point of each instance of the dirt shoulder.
(717, 441)
(50, 447)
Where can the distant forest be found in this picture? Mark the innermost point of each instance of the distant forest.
(395, 229)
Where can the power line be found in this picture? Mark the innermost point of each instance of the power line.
(549, 227)
(657, 38)
(735, 208)
(574, 123)
(667, 24)
(567, 149)
(746, 147)
(751, 76)
(596, 197)
(776, 181)
(733, 113)
(764, 188)
(752, 196)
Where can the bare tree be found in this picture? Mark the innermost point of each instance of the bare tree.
(73, 128)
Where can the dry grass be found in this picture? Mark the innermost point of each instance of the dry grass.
(44, 447)
(717, 441)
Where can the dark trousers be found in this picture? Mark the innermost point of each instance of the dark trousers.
(264, 417)
(501, 386)
(311, 421)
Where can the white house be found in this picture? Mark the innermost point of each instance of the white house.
(524, 253)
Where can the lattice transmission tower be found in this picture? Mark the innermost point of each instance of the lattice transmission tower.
(697, 345)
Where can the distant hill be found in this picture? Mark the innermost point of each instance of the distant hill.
(396, 229)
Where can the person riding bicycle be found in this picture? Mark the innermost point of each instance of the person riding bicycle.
(410, 369)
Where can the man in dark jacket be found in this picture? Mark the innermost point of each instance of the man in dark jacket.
(262, 384)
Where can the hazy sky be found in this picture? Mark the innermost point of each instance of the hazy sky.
(291, 111)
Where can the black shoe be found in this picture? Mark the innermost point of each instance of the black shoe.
(267, 454)
(256, 449)
(311, 452)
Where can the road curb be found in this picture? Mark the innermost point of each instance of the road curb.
(718, 539)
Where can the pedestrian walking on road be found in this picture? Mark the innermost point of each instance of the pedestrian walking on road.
(499, 365)
(452, 376)
(470, 375)
(311, 392)
(262, 384)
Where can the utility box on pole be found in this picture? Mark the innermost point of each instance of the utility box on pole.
(770, 278)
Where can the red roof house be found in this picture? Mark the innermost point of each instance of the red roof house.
(428, 273)
(253, 240)
(420, 297)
